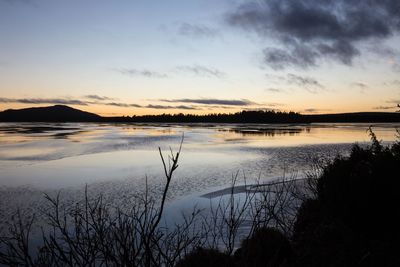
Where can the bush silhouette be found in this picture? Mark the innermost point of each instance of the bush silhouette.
(354, 220)
(266, 247)
(322, 240)
(201, 257)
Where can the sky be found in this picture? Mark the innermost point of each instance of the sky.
(131, 57)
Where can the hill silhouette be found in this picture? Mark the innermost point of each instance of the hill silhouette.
(57, 113)
(61, 113)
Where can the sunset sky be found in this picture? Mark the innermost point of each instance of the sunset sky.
(120, 57)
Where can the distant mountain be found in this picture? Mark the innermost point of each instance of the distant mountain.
(57, 113)
(60, 113)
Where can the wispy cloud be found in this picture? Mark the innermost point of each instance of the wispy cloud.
(396, 82)
(314, 110)
(361, 86)
(66, 101)
(122, 105)
(377, 48)
(195, 30)
(172, 107)
(385, 107)
(396, 67)
(212, 101)
(202, 71)
(392, 82)
(149, 106)
(272, 104)
(260, 109)
(99, 98)
(197, 70)
(54, 101)
(143, 72)
(393, 101)
(308, 83)
(274, 90)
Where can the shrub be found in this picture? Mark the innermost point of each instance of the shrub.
(355, 217)
(266, 247)
(202, 257)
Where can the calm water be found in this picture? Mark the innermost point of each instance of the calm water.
(114, 159)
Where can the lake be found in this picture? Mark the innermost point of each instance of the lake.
(117, 159)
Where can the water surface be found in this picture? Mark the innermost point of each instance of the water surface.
(116, 159)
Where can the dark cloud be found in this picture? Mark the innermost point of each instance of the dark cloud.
(60, 101)
(171, 107)
(192, 30)
(122, 105)
(66, 101)
(152, 106)
(300, 56)
(99, 98)
(203, 71)
(307, 83)
(144, 73)
(211, 101)
(54, 101)
(309, 30)
(311, 110)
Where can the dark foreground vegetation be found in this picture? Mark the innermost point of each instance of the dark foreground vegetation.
(344, 214)
(352, 220)
(61, 113)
